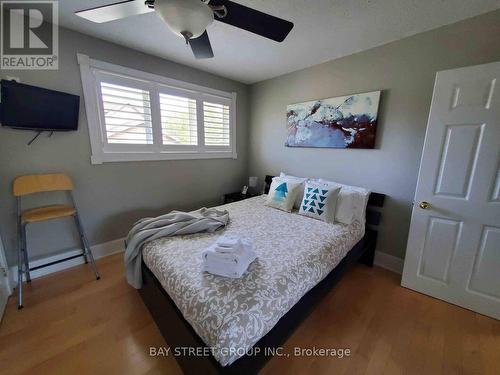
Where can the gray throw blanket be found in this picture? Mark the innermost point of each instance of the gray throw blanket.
(173, 224)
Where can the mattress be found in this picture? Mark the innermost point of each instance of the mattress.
(230, 315)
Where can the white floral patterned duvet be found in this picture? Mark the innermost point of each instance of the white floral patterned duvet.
(230, 315)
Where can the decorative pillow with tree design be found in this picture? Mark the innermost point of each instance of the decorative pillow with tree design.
(282, 194)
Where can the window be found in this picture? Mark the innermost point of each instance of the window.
(216, 124)
(127, 114)
(179, 123)
(134, 115)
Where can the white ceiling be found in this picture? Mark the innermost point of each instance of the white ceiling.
(324, 30)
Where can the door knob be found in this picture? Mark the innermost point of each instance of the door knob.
(424, 205)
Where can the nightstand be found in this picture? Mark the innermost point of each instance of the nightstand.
(235, 197)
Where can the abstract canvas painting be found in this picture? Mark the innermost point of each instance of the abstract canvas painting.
(342, 122)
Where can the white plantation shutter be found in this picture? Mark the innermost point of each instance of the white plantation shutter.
(216, 124)
(179, 125)
(133, 115)
(127, 114)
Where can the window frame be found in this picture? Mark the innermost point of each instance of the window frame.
(93, 72)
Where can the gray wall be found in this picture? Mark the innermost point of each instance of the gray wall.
(405, 71)
(113, 195)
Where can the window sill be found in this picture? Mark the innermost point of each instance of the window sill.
(124, 157)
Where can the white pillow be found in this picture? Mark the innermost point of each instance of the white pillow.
(282, 194)
(319, 201)
(351, 203)
(302, 180)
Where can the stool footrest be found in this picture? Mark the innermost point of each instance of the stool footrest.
(57, 261)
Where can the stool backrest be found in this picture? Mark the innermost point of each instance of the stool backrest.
(39, 183)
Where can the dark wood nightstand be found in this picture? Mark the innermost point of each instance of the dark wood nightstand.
(235, 197)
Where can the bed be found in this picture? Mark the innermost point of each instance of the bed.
(299, 258)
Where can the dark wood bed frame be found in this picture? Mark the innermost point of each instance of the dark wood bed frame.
(179, 334)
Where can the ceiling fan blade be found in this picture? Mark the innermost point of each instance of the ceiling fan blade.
(254, 21)
(201, 46)
(116, 11)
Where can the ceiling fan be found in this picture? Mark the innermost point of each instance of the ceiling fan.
(190, 19)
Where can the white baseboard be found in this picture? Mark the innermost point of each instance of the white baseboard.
(389, 262)
(383, 260)
(99, 251)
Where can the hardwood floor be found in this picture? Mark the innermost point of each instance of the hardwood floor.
(72, 324)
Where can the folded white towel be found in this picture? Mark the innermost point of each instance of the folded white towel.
(230, 261)
(228, 244)
(228, 240)
(227, 250)
(238, 256)
(226, 271)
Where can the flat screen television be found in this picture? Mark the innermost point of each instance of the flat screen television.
(35, 108)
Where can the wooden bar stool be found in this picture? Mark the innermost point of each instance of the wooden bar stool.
(41, 183)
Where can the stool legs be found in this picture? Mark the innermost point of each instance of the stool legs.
(20, 266)
(86, 246)
(23, 262)
(25, 252)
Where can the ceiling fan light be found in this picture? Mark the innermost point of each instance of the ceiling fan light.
(185, 17)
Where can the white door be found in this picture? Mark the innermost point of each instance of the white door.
(5, 289)
(453, 248)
